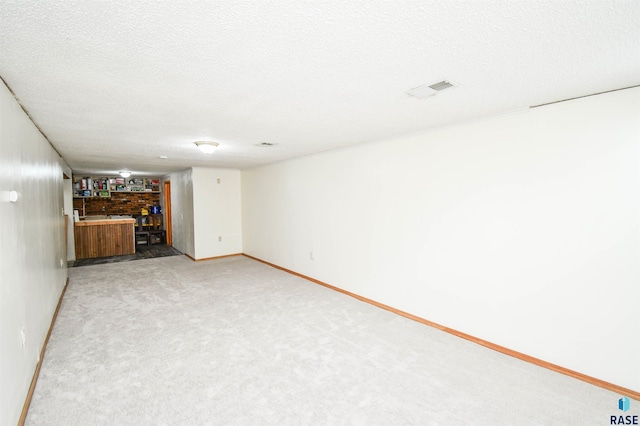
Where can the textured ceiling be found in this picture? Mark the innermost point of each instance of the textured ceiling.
(114, 84)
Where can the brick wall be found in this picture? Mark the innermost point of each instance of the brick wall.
(119, 203)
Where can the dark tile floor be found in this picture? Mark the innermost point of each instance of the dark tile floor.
(142, 252)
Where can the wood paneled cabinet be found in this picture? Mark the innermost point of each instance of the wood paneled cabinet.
(101, 238)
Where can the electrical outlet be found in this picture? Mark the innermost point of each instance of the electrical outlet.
(23, 337)
(61, 263)
(311, 255)
(218, 180)
(219, 238)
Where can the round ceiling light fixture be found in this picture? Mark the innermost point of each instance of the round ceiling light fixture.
(207, 147)
(125, 174)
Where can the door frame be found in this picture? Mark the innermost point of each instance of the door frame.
(167, 212)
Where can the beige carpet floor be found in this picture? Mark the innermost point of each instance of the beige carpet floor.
(232, 341)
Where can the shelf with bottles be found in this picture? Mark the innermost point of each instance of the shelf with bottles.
(134, 184)
(91, 186)
(104, 186)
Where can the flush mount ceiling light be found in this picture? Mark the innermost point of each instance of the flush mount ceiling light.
(125, 174)
(207, 147)
(162, 157)
(427, 90)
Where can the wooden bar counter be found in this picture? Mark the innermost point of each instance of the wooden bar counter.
(104, 237)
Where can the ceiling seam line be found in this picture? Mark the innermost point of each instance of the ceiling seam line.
(29, 116)
(584, 96)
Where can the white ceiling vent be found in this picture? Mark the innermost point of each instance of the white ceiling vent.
(441, 85)
(427, 90)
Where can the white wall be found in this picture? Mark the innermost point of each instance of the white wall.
(67, 191)
(217, 212)
(182, 224)
(203, 210)
(522, 230)
(31, 249)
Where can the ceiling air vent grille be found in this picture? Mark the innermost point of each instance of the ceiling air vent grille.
(426, 91)
(441, 85)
